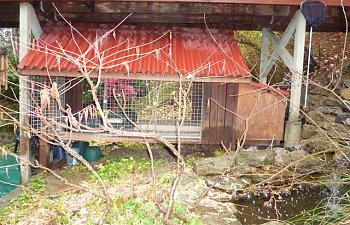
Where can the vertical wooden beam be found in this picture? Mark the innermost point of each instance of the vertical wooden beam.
(293, 126)
(27, 22)
(213, 115)
(44, 153)
(25, 39)
(230, 118)
(220, 125)
(297, 75)
(206, 113)
(264, 56)
(74, 96)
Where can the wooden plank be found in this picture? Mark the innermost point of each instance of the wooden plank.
(105, 137)
(206, 113)
(234, 137)
(263, 2)
(44, 153)
(243, 16)
(266, 112)
(74, 96)
(213, 114)
(191, 8)
(220, 123)
(137, 76)
(229, 137)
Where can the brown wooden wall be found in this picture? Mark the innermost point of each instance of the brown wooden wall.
(219, 103)
(74, 96)
(264, 111)
(227, 107)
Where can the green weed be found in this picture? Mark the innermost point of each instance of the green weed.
(119, 171)
(37, 184)
(132, 145)
(219, 152)
(76, 169)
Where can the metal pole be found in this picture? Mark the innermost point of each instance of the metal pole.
(308, 69)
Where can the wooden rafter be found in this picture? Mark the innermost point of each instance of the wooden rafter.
(265, 2)
(238, 15)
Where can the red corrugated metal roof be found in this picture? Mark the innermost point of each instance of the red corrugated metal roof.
(136, 49)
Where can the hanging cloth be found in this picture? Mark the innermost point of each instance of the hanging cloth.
(315, 13)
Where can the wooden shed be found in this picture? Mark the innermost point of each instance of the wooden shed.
(141, 69)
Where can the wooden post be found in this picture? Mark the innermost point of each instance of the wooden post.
(293, 125)
(295, 64)
(27, 22)
(44, 153)
(264, 56)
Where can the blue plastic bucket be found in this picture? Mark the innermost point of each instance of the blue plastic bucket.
(70, 159)
(58, 153)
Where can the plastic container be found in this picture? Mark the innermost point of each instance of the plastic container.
(58, 153)
(82, 145)
(11, 174)
(92, 153)
(70, 159)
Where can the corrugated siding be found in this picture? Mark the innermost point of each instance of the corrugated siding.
(135, 49)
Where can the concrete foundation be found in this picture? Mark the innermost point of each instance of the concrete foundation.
(292, 134)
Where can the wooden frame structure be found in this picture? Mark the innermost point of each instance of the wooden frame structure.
(29, 23)
(233, 14)
(297, 28)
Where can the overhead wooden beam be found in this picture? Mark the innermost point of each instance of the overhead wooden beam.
(188, 8)
(263, 2)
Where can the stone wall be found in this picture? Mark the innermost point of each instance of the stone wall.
(327, 119)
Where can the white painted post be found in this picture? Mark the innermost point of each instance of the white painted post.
(24, 29)
(264, 56)
(293, 125)
(28, 22)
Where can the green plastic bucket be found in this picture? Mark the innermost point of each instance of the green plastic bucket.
(10, 173)
(82, 145)
(92, 153)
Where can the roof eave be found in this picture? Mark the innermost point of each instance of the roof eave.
(137, 76)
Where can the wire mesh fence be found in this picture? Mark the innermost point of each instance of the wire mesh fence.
(154, 106)
(131, 105)
(41, 99)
